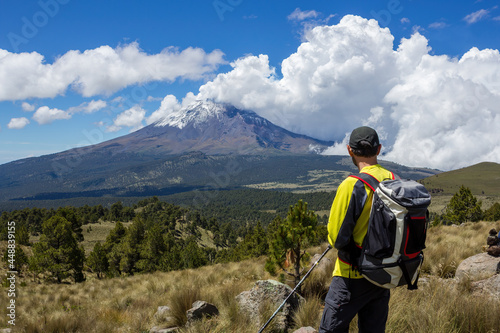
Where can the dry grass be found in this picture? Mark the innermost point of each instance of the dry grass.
(447, 246)
(129, 304)
(440, 306)
(309, 314)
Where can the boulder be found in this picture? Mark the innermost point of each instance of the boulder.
(324, 266)
(307, 329)
(270, 293)
(478, 267)
(489, 287)
(493, 250)
(162, 313)
(201, 309)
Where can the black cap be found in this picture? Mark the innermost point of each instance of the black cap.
(363, 133)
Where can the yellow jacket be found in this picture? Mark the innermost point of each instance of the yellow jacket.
(349, 215)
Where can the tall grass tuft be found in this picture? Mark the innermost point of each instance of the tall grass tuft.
(308, 313)
(447, 246)
(180, 301)
(441, 307)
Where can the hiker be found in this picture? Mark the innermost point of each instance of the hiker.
(349, 292)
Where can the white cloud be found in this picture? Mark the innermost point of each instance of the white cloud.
(94, 106)
(405, 20)
(430, 110)
(476, 16)
(152, 99)
(28, 107)
(88, 107)
(417, 28)
(308, 20)
(103, 70)
(354, 58)
(45, 115)
(168, 105)
(132, 117)
(18, 123)
(437, 25)
(300, 15)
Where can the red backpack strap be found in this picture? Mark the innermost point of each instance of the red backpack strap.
(368, 179)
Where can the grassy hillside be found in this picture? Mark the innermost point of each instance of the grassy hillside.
(482, 179)
(129, 304)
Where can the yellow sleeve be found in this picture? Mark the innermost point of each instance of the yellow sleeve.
(338, 211)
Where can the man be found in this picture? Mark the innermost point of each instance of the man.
(349, 292)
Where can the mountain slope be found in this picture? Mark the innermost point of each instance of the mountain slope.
(482, 179)
(213, 129)
(205, 146)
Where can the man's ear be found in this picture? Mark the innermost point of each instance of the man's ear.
(379, 149)
(349, 150)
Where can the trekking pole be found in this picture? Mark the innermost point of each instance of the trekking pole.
(294, 289)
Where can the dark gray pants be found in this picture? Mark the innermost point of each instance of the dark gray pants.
(348, 297)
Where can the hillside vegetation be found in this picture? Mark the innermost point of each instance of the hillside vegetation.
(129, 303)
(482, 179)
(101, 179)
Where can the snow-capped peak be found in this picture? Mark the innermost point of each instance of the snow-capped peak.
(196, 113)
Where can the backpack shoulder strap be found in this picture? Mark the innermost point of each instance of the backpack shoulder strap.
(368, 179)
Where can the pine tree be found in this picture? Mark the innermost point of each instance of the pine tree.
(152, 250)
(112, 247)
(130, 246)
(115, 213)
(76, 224)
(492, 213)
(22, 235)
(57, 253)
(463, 207)
(290, 238)
(20, 260)
(192, 256)
(98, 261)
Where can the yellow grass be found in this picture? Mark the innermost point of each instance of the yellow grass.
(129, 304)
(97, 232)
(447, 246)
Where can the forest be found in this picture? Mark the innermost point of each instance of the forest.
(150, 235)
(155, 235)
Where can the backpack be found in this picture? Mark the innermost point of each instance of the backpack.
(391, 253)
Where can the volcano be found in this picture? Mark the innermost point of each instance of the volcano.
(214, 129)
(176, 153)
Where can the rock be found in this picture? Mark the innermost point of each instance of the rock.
(494, 250)
(271, 293)
(157, 329)
(307, 329)
(324, 266)
(5, 330)
(162, 313)
(201, 309)
(489, 287)
(478, 267)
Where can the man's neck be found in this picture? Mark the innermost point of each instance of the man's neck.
(365, 162)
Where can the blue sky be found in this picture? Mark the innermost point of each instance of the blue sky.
(74, 72)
